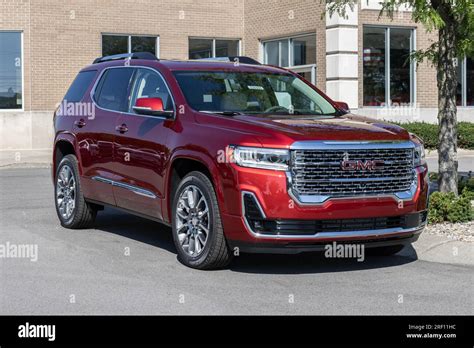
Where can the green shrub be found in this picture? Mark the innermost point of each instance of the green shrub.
(426, 131)
(469, 193)
(447, 207)
(433, 176)
(440, 206)
(461, 210)
(466, 183)
(429, 133)
(466, 135)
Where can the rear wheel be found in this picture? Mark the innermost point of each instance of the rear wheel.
(197, 228)
(385, 251)
(72, 209)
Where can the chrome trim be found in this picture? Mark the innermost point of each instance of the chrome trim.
(256, 200)
(352, 234)
(349, 145)
(385, 178)
(326, 235)
(92, 92)
(135, 189)
(144, 108)
(315, 200)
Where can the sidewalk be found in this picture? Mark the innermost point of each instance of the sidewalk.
(25, 158)
(434, 248)
(465, 158)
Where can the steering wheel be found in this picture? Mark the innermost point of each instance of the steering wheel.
(276, 108)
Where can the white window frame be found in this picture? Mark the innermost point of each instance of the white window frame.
(214, 39)
(311, 68)
(22, 71)
(388, 100)
(129, 41)
(463, 63)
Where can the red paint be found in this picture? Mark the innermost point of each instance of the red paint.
(154, 104)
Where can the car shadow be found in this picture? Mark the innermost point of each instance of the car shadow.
(134, 227)
(158, 235)
(316, 262)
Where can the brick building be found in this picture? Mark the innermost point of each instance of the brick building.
(360, 59)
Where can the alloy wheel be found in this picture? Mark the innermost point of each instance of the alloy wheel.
(66, 192)
(192, 220)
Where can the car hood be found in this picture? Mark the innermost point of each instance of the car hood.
(348, 127)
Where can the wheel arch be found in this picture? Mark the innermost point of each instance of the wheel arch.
(63, 146)
(180, 166)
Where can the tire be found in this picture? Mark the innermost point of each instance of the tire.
(385, 251)
(82, 215)
(214, 253)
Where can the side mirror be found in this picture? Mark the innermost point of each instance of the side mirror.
(152, 107)
(342, 106)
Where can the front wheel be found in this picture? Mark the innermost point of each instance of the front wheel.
(72, 209)
(197, 228)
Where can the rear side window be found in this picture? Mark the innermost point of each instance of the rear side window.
(80, 86)
(113, 89)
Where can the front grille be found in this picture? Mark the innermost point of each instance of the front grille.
(319, 172)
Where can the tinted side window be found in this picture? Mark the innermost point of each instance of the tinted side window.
(80, 86)
(112, 92)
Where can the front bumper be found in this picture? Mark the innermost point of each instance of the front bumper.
(407, 237)
(277, 205)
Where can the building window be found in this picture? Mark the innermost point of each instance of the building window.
(297, 53)
(200, 48)
(465, 87)
(11, 72)
(118, 44)
(388, 71)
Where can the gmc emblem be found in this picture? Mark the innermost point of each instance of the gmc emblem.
(365, 166)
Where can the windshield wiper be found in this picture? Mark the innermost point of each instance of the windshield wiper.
(225, 113)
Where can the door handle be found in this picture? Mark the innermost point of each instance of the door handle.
(81, 123)
(122, 129)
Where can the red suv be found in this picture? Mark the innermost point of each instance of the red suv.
(235, 157)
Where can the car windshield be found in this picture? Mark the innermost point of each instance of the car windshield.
(250, 92)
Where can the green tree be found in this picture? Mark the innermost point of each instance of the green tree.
(454, 21)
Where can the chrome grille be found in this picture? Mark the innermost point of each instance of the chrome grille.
(319, 172)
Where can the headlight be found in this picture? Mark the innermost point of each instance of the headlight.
(256, 157)
(419, 156)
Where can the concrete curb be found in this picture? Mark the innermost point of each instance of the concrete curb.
(434, 248)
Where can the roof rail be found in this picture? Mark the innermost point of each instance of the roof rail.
(136, 55)
(240, 59)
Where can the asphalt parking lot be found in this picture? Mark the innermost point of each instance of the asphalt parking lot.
(128, 265)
